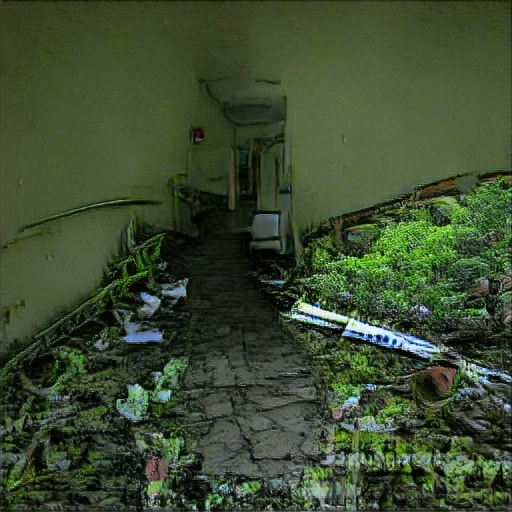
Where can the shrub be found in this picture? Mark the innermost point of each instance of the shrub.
(416, 262)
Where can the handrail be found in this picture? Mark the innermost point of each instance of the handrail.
(95, 206)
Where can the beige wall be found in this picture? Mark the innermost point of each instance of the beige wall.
(97, 102)
(401, 94)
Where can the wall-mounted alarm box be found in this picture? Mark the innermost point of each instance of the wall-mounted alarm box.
(197, 135)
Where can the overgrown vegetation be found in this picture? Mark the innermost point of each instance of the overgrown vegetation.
(416, 262)
(414, 273)
(136, 264)
(417, 273)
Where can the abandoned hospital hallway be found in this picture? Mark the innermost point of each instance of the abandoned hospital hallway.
(255, 255)
(248, 389)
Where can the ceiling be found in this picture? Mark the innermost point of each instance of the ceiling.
(249, 102)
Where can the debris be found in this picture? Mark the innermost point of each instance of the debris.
(163, 395)
(277, 283)
(473, 393)
(224, 488)
(156, 469)
(420, 313)
(479, 289)
(101, 345)
(363, 331)
(368, 424)
(383, 337)
(152, 304)
(175, 291)
(122, 316)
(434, 383)
(329, 459)
(133, 335)
(142, 337)
(310, 320)
(352, 401)
(135, 406)
(347, 410)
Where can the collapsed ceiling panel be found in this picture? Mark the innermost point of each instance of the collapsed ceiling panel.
(248, 102)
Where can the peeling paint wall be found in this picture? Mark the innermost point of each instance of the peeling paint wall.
(97, 102)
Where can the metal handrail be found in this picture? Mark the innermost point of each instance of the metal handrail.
(83, 209)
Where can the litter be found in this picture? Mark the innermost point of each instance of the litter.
(352, 401)
(134, 336)
(277, 283)
(370, 333)
(329, 459)
(175, 291)
(163, 395)
(101, 345)
(360, 330)
(136, 405)
(142, 337)
(152, 304)
(122, 316)
(388, 339)
(311, 320)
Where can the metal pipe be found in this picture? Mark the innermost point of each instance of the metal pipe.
(116, 203)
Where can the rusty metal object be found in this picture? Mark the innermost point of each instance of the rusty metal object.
(434, 383)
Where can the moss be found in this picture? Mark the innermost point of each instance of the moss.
(248, 488)
(88, 470)
(375, 441)
(396, 407)
(415, 262)
(316, 474)
(92, 414)
(342, 438)
(111, 333)
(345, 391)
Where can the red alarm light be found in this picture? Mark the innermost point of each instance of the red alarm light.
(197, 135)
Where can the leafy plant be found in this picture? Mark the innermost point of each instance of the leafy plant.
(416, 262)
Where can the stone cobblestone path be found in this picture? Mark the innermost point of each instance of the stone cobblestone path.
(252, 401)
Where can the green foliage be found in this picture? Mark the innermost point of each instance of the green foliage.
(72, 362)
(345, 391)
(396, 407)
(343, 439)
(488, 208)
(374, 441)
(319, 253)
(172, 448)
(110, 333)
(416, 262)
(316, 474)
(248, 488)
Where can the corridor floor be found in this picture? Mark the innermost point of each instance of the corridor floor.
(252, 402)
